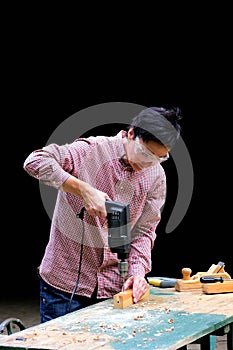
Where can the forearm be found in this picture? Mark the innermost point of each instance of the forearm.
(140, 257)
(144, 232)
(93, 199)
(76, 187)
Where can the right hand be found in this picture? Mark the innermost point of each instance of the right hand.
(94, 201)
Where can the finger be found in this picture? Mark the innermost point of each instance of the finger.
(145, 288)
(139, 289)
(128, 283)
(101, 214)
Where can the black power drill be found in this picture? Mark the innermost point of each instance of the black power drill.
(119, 235)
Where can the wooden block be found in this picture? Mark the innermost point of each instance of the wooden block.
(218, 287)
(213, 268)
(124, 299)
(183, 285)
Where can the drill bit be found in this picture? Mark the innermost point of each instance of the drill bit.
(123, 285)
(123, 269)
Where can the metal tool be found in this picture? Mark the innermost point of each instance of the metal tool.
(119, 234)
(210, 279)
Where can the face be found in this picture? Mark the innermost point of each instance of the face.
(144, 154)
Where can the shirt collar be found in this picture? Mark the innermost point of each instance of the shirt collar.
(125, 165)
(121, 152)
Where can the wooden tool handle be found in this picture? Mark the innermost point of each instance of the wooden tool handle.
(186, 272)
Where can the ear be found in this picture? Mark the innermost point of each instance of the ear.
(130, 134)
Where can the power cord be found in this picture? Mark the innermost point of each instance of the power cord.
(80, 216)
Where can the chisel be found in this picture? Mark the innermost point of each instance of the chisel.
(210, 279)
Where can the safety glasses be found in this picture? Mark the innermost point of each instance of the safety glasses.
(147, 155)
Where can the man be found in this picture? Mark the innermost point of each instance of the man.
(78, 268)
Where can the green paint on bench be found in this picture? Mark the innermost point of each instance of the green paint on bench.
(145, 327)
(153, 331)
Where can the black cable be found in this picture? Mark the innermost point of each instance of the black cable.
(80, 216)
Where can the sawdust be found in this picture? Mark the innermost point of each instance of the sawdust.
(53, 338)
(28, 311)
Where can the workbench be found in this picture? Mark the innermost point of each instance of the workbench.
(166, 319)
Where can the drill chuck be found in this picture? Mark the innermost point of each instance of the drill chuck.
(123, 268)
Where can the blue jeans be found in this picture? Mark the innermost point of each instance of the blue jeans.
(55, 303)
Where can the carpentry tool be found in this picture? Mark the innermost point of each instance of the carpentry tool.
(213, 285)
(210, 279)
(189, 282)
(162, 282)
(119, 234)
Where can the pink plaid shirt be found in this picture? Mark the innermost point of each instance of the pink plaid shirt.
(95, 160)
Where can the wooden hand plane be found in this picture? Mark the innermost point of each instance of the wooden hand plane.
(188, 282)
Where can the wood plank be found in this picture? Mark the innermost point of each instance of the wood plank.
(124, 299)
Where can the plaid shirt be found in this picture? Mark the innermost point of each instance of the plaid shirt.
(95, 160)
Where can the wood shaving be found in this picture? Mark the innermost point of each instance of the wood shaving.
(138, 317)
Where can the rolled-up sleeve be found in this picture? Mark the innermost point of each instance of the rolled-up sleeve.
(51, 165)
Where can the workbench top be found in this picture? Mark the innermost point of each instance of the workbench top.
(167, 319)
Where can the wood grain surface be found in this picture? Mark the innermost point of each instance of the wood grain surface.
(166, 320)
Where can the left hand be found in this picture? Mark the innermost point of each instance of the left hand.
(139, 286)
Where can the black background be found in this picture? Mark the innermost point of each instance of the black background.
(48, 77)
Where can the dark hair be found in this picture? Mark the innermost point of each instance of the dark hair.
(158, 124)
